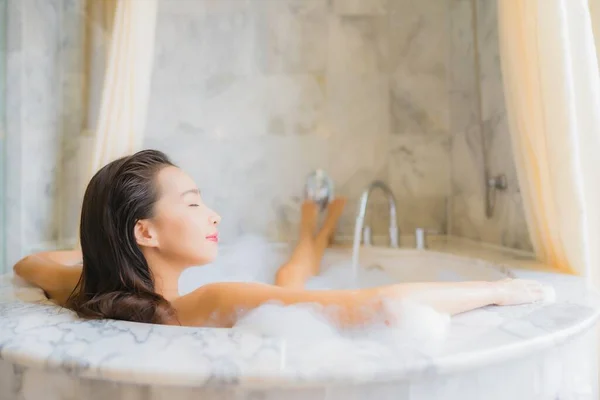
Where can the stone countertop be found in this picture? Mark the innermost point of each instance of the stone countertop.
(36, 333)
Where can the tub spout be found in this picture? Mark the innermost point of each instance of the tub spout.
(362, 211)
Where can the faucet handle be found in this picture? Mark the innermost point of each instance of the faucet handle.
(368, 237)
(420, 237)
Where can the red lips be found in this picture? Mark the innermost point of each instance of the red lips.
(213, 238)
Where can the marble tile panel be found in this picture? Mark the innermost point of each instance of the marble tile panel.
(358, 46)
(292, 36)
(419, 47)
(419, 35)
(361, 7)
(227, 106)
(420, 165)
(358, 107)
(507, 227)
(191, 47)
(462, 70)
(467, 162)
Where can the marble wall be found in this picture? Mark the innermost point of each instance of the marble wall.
(479, 127)
(43, 109)
(248, 96)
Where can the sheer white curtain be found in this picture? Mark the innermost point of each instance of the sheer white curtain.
(552, 90)
(126, 90)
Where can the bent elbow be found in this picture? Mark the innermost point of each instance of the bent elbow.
(24, 268)
(19, 267)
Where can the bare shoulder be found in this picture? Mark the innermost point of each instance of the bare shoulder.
(195, 308)
(217, 304)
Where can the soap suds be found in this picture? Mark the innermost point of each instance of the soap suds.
(412, 326)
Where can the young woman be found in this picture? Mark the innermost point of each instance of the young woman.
(143, 222)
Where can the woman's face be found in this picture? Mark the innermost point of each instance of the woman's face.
(185, 228)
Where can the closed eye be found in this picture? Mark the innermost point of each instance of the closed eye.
(194, 205)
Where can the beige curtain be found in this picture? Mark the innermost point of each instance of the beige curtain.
(120, 125)
(595, 15)
(552, 90)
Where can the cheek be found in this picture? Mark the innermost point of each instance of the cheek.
(183, 228)
(183, 235)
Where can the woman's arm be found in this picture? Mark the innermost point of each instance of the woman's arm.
(55, 272)
(220, 303)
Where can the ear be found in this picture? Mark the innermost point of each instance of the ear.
(145, 234)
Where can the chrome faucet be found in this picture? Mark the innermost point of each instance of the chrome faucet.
(362, 211)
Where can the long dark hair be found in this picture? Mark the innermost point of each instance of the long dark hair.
(116, 281)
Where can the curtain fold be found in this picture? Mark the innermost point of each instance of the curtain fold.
(126, 90)
(552, 92)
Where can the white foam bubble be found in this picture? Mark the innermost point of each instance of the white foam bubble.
(299, 321)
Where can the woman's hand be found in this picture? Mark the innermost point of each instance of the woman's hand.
(519, 291)
(457, 297)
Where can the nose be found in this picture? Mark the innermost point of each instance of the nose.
(215, 218)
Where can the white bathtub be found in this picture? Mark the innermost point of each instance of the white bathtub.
(402, 265)
(526, 352)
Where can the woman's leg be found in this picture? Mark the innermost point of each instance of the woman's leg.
(323, 237)
(306, 257)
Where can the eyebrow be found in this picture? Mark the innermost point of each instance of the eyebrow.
(191, 191)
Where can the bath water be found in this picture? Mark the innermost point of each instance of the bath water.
(416, 328)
